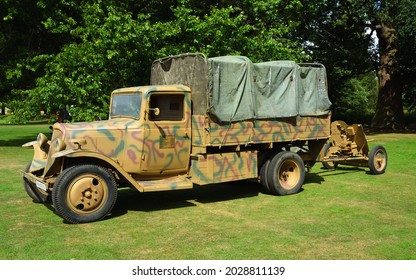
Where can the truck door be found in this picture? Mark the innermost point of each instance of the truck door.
(167, 133)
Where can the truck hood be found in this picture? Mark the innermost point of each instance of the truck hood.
(97, 136)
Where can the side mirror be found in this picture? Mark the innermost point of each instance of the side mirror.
(157, 111)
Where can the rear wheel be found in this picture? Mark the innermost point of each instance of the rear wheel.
(286, 173)
(377, 160)
(34, 193)
(263, 176)
(84, 193)
(264, 173)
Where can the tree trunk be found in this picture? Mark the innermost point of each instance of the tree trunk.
(389, 112)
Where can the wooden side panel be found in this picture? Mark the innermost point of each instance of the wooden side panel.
(206, 132)
(223, 167)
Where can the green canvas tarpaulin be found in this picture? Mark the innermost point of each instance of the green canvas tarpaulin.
(313, 95)
(232, 88)
(187, 69)
(242, 90)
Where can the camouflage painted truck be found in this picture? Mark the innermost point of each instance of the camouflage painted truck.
(202, 121)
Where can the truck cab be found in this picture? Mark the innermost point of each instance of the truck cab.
(147, 136)
(157, 140)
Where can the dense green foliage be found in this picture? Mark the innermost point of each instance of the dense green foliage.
(70, 53)
(406, 25)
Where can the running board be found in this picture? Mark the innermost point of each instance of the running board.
(166, 184)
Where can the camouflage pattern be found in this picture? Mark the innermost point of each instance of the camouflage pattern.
(223, 167)
(206, 132)
(161, 155)
(152, 141)
(137, 148)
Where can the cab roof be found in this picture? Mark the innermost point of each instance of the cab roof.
(147, 89)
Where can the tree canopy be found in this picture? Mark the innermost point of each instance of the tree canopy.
(71, 53)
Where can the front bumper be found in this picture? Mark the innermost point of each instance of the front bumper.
(40, 183)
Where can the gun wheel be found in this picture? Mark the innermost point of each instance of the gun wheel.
(377, 160)
(84, 193)
(328, 164)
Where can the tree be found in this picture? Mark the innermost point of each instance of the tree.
(21, 39)
(406, 30)
(113, 45)
(107, 52)
(339, 33)
(255, 29)
(334, 34)
(60, 53)
(389, 111)
(28, 41)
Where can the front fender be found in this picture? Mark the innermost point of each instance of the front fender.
(74, 153)
(71, 153)
(40, 156)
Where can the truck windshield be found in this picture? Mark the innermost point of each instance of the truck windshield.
(126, 105)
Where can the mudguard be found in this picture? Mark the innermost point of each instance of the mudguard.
(72, 153)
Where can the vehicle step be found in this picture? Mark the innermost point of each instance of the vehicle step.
(166, 184)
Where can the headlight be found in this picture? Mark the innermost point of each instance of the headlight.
(58, 145)
(42, 140)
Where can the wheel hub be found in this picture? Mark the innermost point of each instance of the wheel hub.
(289, 174)
(379, 161)
(87, 194)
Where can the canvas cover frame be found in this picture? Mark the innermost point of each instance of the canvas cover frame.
(233, 88)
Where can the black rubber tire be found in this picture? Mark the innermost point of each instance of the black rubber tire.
(286, 173)
(34, 193)
(264, 171)
(329, 165)
(377, 160)
(84, 193)
(263, 176)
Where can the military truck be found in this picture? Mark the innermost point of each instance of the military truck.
(201, 121)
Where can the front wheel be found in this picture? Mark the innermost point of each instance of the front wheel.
(84, 193)
(286, 173)
(377, 160)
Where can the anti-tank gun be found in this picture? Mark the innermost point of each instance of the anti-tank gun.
(348, 145)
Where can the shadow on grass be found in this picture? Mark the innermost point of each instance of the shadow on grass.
(319, 177)
(18, 141)
(341, 169)
(132, 200)
(370, 131)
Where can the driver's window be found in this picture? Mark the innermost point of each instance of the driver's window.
(170, 107)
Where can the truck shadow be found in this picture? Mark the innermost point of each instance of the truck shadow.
(132, 200)
(319, 176)
(341, 169)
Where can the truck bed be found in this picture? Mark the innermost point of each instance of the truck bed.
(206, 132)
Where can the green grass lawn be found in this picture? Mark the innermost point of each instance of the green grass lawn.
(341, 214)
